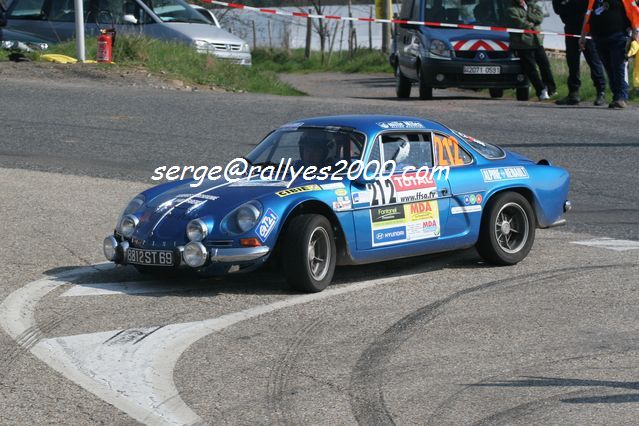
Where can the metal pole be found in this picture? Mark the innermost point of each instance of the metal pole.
(79, 30)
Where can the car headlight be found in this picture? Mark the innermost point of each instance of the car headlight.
(194, 254)
(128, 224)
(242, 219)
(133, 206)
(196, 230)
(439, 48)
(201, 44)
(246, 48)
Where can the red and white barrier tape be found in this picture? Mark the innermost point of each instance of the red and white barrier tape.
(386, 21)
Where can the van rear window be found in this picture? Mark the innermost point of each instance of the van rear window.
(477, 12)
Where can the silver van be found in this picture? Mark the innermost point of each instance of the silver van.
(172, 20)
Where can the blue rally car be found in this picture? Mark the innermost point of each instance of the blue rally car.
(448, 191)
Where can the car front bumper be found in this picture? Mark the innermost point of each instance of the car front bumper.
(442, 73)
(240, 58)
(219, 259)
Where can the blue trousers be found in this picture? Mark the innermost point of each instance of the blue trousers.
(612, 51)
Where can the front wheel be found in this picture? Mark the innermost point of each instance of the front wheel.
(425, 91)
(309, 253)
(523, 93)
(402, 84)
(507, 229)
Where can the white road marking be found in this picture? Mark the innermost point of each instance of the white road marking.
(129, 287)
(610, 244)
(133, 369)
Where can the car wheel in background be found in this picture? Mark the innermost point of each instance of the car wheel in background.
(402, 84)
(308, 253)
(425, 91)
(496, 93)
(507, 229)
(523, 93)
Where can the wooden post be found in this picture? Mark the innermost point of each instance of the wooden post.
(309, 29)
(270, 39)
(370, 31)
(254, 36)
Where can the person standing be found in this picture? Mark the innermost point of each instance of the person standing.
(609, 23)
(528, 15)
(572, 14)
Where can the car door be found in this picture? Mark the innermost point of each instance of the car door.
(466, 201)
(407, 39)
(404, 207)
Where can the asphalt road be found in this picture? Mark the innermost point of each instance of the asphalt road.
(435, 340)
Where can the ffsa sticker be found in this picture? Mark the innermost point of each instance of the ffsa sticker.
(266, 225)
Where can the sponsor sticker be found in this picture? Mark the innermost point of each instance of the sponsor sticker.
(479, 198)
(401, 189)
(389, 235)
(298, 189)
(465, 209)
(266, 225)
(403, 124)
(418, 220)
(504, 173)
(340, 192)
(361, 197)
(342, 203)
(333, 185)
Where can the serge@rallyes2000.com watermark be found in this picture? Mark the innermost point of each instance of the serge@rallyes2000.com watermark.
(241, 168)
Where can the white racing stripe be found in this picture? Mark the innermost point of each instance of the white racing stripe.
(610, 244)
(133, 369)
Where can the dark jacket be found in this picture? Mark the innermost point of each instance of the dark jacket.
(571, 13)
(529, 19)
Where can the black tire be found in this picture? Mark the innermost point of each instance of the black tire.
(523, 93)
(297, 266)
(506, 244)
(496, 93)
(402, 85)
(425, 91)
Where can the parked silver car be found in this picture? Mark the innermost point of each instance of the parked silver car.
(171, 20)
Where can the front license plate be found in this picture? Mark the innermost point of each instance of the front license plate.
(149, 257)
(469, 69)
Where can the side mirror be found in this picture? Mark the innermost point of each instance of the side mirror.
(130, 19)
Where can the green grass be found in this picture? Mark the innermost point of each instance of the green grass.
(178, 61)
(293, 61)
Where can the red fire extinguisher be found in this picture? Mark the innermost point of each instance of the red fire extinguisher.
(105, 46)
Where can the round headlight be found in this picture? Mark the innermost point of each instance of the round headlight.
(196, 230)
(194, 254)
(128, 224)
(247, 216)
(109, 246)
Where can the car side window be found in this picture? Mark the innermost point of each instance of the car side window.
(62, 10)
(26, 9)
(113, 11)
(408, 150)
(406, 10)
(449, 152)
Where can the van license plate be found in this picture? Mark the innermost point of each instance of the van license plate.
(468, 69)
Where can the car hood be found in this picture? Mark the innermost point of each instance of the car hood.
(165, 214)
(206, 32)
(9, 34)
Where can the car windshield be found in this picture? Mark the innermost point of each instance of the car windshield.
(175, 11)
(308, 146)
(477, 12)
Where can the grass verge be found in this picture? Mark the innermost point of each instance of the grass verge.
(178, 61)
(293, 61)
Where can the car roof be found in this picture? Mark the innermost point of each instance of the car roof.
(370, 124)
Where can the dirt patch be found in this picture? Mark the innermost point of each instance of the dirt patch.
(91, 74)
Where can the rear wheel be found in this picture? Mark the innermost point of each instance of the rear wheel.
(402, 84)
(309, 253)
(523, 93)
(496, 93)
(507, 229)
(425, 91)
